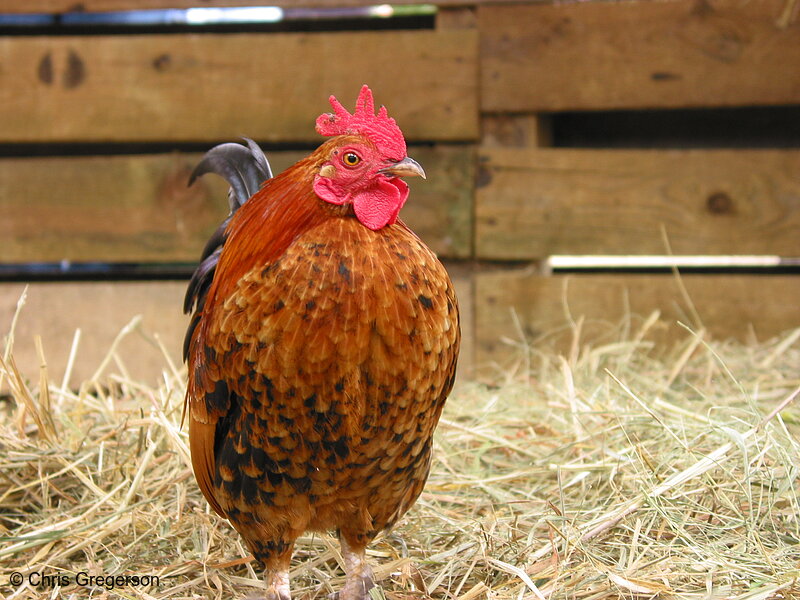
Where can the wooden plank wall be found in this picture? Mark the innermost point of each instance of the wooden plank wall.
(534, 201)
(474, 95)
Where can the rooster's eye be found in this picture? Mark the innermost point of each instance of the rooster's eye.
(351, 159)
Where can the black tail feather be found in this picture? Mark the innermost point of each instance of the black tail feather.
(245, 169)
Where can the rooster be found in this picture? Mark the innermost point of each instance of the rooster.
(322, 346)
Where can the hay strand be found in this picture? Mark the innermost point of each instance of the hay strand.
(615, 470)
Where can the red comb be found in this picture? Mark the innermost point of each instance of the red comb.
(381, 129)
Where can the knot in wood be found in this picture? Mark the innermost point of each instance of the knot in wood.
(719, 203)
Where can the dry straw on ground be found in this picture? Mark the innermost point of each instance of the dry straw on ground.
(621, 470)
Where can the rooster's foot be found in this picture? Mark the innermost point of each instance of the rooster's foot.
(277, 587)
(355, 588)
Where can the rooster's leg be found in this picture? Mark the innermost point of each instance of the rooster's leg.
(275, 557)
(358, 574)
(277, 584)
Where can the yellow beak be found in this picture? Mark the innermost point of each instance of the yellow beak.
(404, 168)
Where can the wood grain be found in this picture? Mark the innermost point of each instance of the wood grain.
(139, 209)
(533, 203)
(100, 310)
(513, 306)
(107, 208)
(195, 87)
(607, 55)
(440, 209)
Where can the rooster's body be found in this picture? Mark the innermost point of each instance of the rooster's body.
(322, 348)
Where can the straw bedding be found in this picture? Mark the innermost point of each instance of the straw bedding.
(613, 470)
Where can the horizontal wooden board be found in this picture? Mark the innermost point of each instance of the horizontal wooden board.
(55, 311)
(440, 209)
(517, 306)
(139, 208)
(198, 87)
(106, 208)
(534, 203)
(607, 55)
(100, 310)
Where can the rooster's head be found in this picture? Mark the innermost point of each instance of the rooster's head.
(364, 162)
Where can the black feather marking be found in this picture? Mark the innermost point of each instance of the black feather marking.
(187, 340)
(221, 432)
(217, 240)
(219, 399)
(201, 279)
(250, 491)
(425, 301)
(300, 484)
(196, 295)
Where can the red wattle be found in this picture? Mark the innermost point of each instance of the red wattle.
(379, 205)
